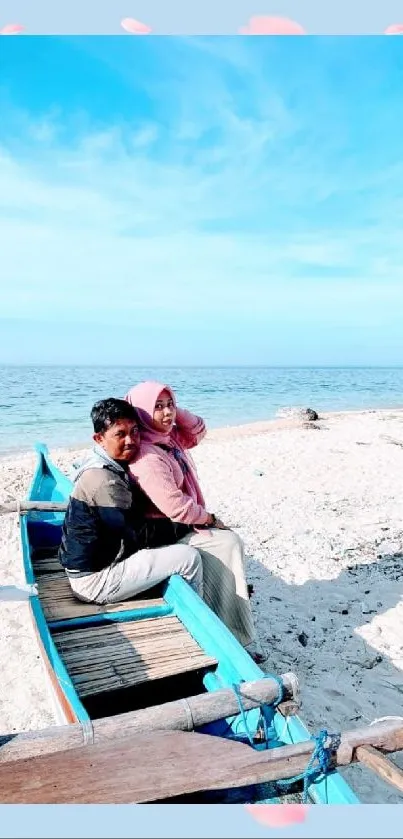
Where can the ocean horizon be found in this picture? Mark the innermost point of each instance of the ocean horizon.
(52, 403)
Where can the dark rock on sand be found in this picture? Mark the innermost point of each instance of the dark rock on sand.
(310, 414)
(303, 639)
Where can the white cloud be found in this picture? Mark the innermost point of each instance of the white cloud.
(218, 207)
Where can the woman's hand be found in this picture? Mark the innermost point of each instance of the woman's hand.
(213, 521)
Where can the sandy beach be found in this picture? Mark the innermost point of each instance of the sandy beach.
(320, 508)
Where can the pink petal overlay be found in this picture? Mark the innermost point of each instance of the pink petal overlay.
(135, 27)
(12, 29)
(394, 29)
(277, 815)
(265, 25)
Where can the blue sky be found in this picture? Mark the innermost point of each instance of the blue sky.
(201, 200)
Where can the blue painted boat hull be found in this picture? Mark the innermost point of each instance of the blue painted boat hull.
(234, 664)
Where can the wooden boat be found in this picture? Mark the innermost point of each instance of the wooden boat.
(106, 661)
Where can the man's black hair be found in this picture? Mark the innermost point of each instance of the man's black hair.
(108, 411)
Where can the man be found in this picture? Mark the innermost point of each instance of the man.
(107, 550)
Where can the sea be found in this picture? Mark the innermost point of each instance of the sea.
(52, 404)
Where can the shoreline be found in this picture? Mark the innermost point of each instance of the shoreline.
(319, 508)
(299, 421)
(247, 429)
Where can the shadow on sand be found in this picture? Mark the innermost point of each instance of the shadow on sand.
(318, 630)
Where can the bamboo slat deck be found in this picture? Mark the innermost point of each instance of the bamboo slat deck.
(112, 657)
(58, 601)
(45, 561)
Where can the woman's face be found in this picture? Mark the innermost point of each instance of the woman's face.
(164, 412)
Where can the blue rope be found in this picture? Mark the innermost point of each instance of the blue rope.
(321, 755)
(268, 731)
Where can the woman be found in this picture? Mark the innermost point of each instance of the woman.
(167, 475)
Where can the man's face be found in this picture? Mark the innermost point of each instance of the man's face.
(121, 440)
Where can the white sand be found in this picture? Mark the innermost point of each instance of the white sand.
(321, 514)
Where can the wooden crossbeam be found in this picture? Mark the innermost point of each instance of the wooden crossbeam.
(180, 714)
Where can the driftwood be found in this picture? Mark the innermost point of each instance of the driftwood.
(181, 714)
(33, 506)
(164, 764)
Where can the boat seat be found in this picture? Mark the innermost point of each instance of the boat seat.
(59, 603)
(110, 657)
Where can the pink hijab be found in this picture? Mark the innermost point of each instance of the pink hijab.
(143, 397)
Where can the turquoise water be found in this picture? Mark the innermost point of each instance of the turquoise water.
(52, 404)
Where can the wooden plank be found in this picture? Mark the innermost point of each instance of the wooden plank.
(164, 764)
(46, 565)
(46, 561)
(112, 656)
(58, 601)
(380, 764)
(180, 715)
(139, 769)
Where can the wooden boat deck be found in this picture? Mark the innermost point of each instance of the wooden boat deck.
(115, 656)
(113, 653)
